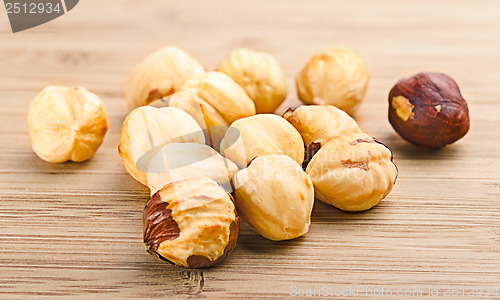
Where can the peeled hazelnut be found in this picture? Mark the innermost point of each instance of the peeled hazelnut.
(428, 110)
(318, 124)
(66, 124)
(191, 223)
(146, 129)
(177, 161)
(274, 197)
(336, 76)
(260, 75)
(159, 75)
(353, 172)
(215, 101)
(261, 135)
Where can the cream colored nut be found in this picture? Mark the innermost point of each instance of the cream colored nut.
(261, 135)
(191, 223)
(318, 124)
(159, 75)
(353, 172)
(66, 124)
(146, 129)
(177, 161)
(260, 75)
(215, 101)
(336, 76)
(275, 197)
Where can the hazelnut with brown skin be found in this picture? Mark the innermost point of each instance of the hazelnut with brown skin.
(191, 223)
(428, 110)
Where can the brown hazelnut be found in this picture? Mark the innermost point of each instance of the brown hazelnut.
(191, 223)
(428, 110)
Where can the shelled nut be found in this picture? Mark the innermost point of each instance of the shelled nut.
(177, 161)
(428, 110)
(66, 124)
(191, 223)
(215, 101)
(260, 75)
(146, 129)
(159, 75)
(318, 124)
(275, 197)
(353, 172)
(261, 135)
(336, 76)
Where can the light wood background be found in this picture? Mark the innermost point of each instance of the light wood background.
(75, 229)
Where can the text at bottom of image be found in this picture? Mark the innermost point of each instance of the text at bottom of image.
(375, 291)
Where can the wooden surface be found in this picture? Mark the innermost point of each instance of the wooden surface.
(75, 229)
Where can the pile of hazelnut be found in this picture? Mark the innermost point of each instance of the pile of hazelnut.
(210, 149)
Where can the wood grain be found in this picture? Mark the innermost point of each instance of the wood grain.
(75, 230)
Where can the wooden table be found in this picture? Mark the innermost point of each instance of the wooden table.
(75, 229)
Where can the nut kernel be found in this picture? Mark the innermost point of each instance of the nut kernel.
(191, 223)
(260, 75)
(66, 124)
(335, 76)
(403, 107)
(261, 135)
(215, 101)
(146, 129)
(353, 172)
(318, 124)
(178, 161)
(275, 197)
(159, 75)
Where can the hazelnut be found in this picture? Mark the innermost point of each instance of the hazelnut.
(275, 197)
(353, 172)
(260, 75)
(66, 124)
(159, 75)
(146, 129)
(428, 110)
(215, 101)
(336, 76)
(318, 124)
(177, 161)
(261, 135)
(191, 223)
